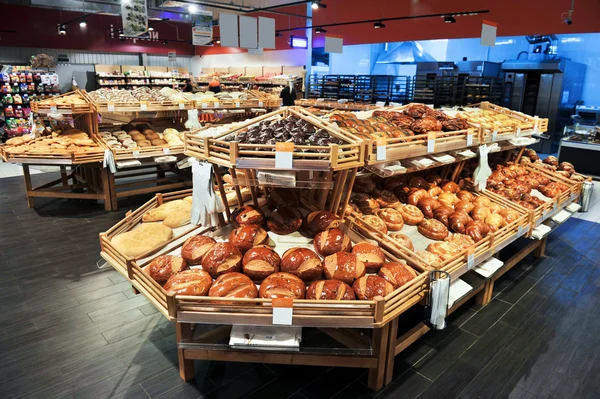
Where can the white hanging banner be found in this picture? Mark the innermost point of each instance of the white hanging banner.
(135, 17)
(255, 51)
(228, 25)
(202, 28)
(266, 32)
(488, 33)
(334, 44)
(248, 32)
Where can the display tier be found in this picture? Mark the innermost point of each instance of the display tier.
(321, 154)
(74, 102)
(335, 105)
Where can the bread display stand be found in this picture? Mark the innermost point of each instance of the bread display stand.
(334, 105)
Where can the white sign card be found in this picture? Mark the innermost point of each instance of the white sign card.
(248, 32)
(135, 17)
(202, 29)
(488, 33)
(255, 51)
(266, 32)
(334, 44)
(228, 24)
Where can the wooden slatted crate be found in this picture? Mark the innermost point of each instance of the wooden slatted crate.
(56, 105)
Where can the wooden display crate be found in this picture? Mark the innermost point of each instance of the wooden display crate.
(52, 106)
(121, 154)
(262, 156)
(463, 261)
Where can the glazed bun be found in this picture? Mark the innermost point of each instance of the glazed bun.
(259, 262)
(318, 221)
(246, 237)
(284, 220)
(248, 215)
(302, 262)
(331, 241)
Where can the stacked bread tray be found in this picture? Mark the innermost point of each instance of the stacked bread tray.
(74, 102)
(331, 150)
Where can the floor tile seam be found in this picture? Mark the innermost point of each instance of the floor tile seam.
(146, 392)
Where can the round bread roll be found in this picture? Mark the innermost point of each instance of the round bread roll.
(158, 142)
(404, 240)
(331, 241)
(318, 221)
(146, 132)
(233, 285)
(433, 229)
(222, 258)
(343, 266)
(152, 136)
(411, 214)
(397, 274)
(248, 215)
(195, 282)
(369, 287)
(194, 249)
(363, 185)
(283, 197)
(330, 290)
(259, 262)
(370, 255)
(134, 132)
(137, 137)
(144, 143)
(302, 262)
(248, 236)
(282, 285)
(284, 220)
(163, 267)
(392, 218)
(375, 222)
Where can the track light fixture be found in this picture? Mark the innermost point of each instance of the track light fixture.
(150, 29)
(317, 4)
(449, 20)
(320, 30)
(62, 30)
(278, 34)
(378, 25)
(83, 23)
(165, 42)
(218, 41)
(121, 34)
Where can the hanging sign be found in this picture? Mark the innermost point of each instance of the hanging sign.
(488, 33)
(202, 28)
(334, 44)
(135, 17)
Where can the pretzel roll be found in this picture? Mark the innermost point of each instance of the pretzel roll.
(411, 214)
(416, 196)
(458, 221)
(282, 285)
(369, 287)
(259, 262)
(246, 237)
(464, 195)
(195, 248)
(397, 274)
(163, 267)
(189, 282)
(344, 266)
(330, 290)
(318, 221)
(403, 239)
(433, 229)
(451, 187)
(302, 262)
(442, 213)
(477, 230)
(283, 197)
(233, 285)
(284, 220)
(331, 241)
(248, 215)
(392, 218)
(222, 258)
(370, 255)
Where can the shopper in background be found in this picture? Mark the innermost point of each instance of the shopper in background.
(214, 85)
(288, 94)
(188, 86)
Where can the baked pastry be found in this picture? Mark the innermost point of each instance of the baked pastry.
(194, 249)
(451, 187)
(433, 229)
(351, 208)
(411, 214)
(551, 160)
(194, 282)
(144, 238)
(375, 222)
(463, 241)
(233, 285)
(434, 178)
(282, 285)
(426, 124)
(464, 195)
(391, 183)
(363, 185)
(163, 267)
(283, 197)
(417, 110)
(318, 221)
(509, 215)
(365, 203)
(246, 237)
(458, 221)
(480, 212)
(444, 249)
(331, 241)
(259, 262)
(430, 258)
(402, 192)
(531, 154)
(385, 198)
(477, 230)
(567, 167)
(416, 196)
(495, 222)
(494, 208)
(442, 214)
(481, 200)
(428, 205)
(448, 199)
(392, 218)
(369, 287)
(418, 182)
(248, 215)
(343, 266)
(302, 262)
(222, 258)
(434, 191)
(284, 220)
(370, 255)
(464, 205)
(397, 274)
(403, 239)
(330, 290)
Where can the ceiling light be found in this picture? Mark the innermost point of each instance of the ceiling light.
(121, 34)
(218, 41)
(193, 9)
(378, 25)
(125, 1)
(150, 29)
(317, 4)
(83, 23)
(62, 30)
(320, 30)
(278, 34)
(450, 20)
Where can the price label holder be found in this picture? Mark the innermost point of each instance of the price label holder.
(520, 231)
(495, 134)
(260, 104)
(430, 141)
(181, 105)
(237, 104)
(53, 108)
(437, 307)
(555, 205)
(216, 104)
(381, 149)
(573, 196)
(110, 107)
(469, 138)
(536, 125)
(283, 155)
(136, 154)
(144, 106)
(518, 132)
(283, 309)
(470, 258)
(166, 150)
(204, 105)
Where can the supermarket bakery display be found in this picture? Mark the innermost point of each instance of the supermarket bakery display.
(135, 137)
(67, 140)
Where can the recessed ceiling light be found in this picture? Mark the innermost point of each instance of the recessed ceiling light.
(83, 23)
(317, 4)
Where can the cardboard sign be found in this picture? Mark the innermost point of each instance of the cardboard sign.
(489, 30)
(282, 311)
(283, 155)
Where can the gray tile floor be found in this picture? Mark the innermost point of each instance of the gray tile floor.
(68, 329)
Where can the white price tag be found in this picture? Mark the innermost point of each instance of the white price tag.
(181, 106)
(470, 258)
(381, 153)
(469, 139)
(573, 196)
(53, 109)
(144, 106)
(237, 104)
(495, 135)
(136, 154)
(166, 150)
(260, 104)
(110, 107)
(536, 125)
(518, 131)
(554, 206)
(283, 311)
(520, 231)
(216, 104)
(430, 142)
(283, 155)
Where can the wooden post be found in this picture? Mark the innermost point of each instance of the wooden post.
(63, 175)
(485, 295)
(183, 331)
(541, 249)
(28, 189)
(236, 186)
(391, 351)
(222, 192)
(380, 345)
(106, 191)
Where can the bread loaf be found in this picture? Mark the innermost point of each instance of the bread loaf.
(369, 287)
(233, 285)
(248, 215)
(370, 255)
(194, 249)
(246, 237)
(302, 262)
(397, 274)
(330, 290)
(222, 258)
(260, 261)
(144, 238)
(318, 221)
(194, 282)
(343, 266)
(163, 267)
(331, 241)
(282, 285)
